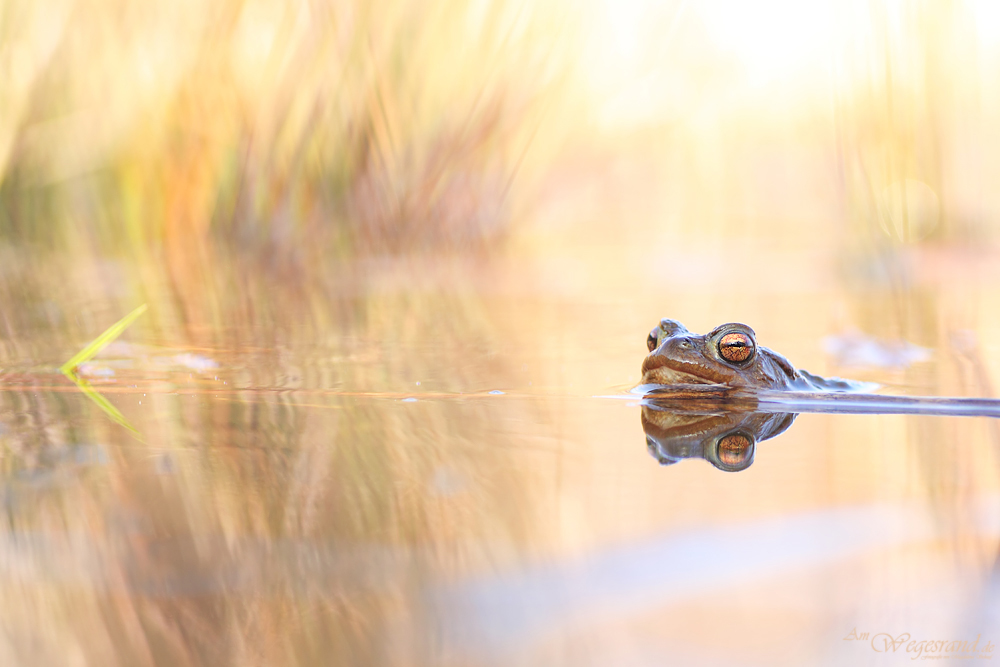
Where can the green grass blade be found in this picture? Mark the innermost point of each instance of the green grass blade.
(101, 341)
(103, 403)
(68, 369)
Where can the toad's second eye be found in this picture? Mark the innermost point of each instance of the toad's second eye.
(651, 340)
(736, 347)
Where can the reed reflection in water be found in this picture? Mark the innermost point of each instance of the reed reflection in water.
(389, 467)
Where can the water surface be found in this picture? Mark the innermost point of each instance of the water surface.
(411, 461)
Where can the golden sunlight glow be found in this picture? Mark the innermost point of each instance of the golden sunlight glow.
(909, 211)
(645, 62)
(319, 104)
(771, 39)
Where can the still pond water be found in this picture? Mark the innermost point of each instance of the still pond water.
(429, 461)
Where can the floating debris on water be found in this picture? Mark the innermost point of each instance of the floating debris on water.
(195, 362)
(95, 370)
(857, 349)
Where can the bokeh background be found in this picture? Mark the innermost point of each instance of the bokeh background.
(393, 251)
(396, 126)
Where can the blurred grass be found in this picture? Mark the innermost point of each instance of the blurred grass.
(87, 353)
(336, 127)
(382, 125)
(102, 341)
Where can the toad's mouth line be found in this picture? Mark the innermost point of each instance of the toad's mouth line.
(667, 375)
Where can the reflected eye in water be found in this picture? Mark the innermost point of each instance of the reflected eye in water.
(736, 347)
(723, 433)
(735, 452)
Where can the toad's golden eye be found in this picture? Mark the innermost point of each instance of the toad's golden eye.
(736, 347)
(651, 340)
(735, 450)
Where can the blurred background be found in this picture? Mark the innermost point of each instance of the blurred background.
(398, 126)
(394, 250)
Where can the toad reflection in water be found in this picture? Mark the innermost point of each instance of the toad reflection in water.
(715, 396)
(726, 439)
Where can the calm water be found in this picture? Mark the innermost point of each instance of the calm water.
(413, 461)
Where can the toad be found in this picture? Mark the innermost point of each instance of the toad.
(728, 356)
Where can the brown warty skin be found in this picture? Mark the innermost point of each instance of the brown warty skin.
(728, 355)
